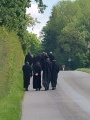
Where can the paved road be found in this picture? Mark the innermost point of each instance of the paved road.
(70, 101)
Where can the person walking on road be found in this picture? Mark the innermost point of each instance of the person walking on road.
(54, 74)
(51, 56)
(47, 74)
(27, 73)
(37, 76)
(29, 58)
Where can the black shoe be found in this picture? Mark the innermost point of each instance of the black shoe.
(37, 89)
(45, 88)
(53, 88)
(26, 89)
(48, 88)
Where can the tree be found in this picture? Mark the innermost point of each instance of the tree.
(72, 44)
(67, 32)
(41, 6)
(31, 43)
(13, 16)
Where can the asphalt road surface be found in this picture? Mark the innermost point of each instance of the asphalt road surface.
(70, 100)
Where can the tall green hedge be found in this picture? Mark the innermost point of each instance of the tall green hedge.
(11, 80)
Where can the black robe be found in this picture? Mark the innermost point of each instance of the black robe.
(36, 59)
(47, 73)
(27, 72)
(28, 58)
(43, 59)
(51, 56)
(37, 78)
(54, 73)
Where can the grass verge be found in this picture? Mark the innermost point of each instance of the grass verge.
(84, 69)
(11, 81)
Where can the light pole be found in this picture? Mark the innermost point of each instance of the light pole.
(69, 60)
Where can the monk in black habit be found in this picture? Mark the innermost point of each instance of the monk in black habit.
(29, 58)
(37, 76)
(54, 74)
(47, 73)
(27, 73)
(51, 56)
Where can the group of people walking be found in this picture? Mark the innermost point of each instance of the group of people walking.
(34, 66)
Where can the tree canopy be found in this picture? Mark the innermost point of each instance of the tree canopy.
(67, 33)
(13, 16)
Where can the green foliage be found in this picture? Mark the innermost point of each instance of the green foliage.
(67, 33)
(41, 6)
(31, 43)
(11, 81)
(36, 45)
(13, 15)
(84, 69)
(49, 38)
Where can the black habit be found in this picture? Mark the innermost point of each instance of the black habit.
(47, 73)
(37, 76)
(28, 58)
(27, 72)
(54, 73)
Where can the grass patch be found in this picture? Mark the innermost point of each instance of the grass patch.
(11, 81)
(84, 69)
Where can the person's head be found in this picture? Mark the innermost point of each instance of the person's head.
(54, 60)
(50, 52)
(44, 53)
(27, 63)
(38, 62)
(28, 53)
(47, 59)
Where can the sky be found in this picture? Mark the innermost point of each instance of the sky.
(42, 18)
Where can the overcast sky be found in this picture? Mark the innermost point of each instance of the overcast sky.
(42, 18)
